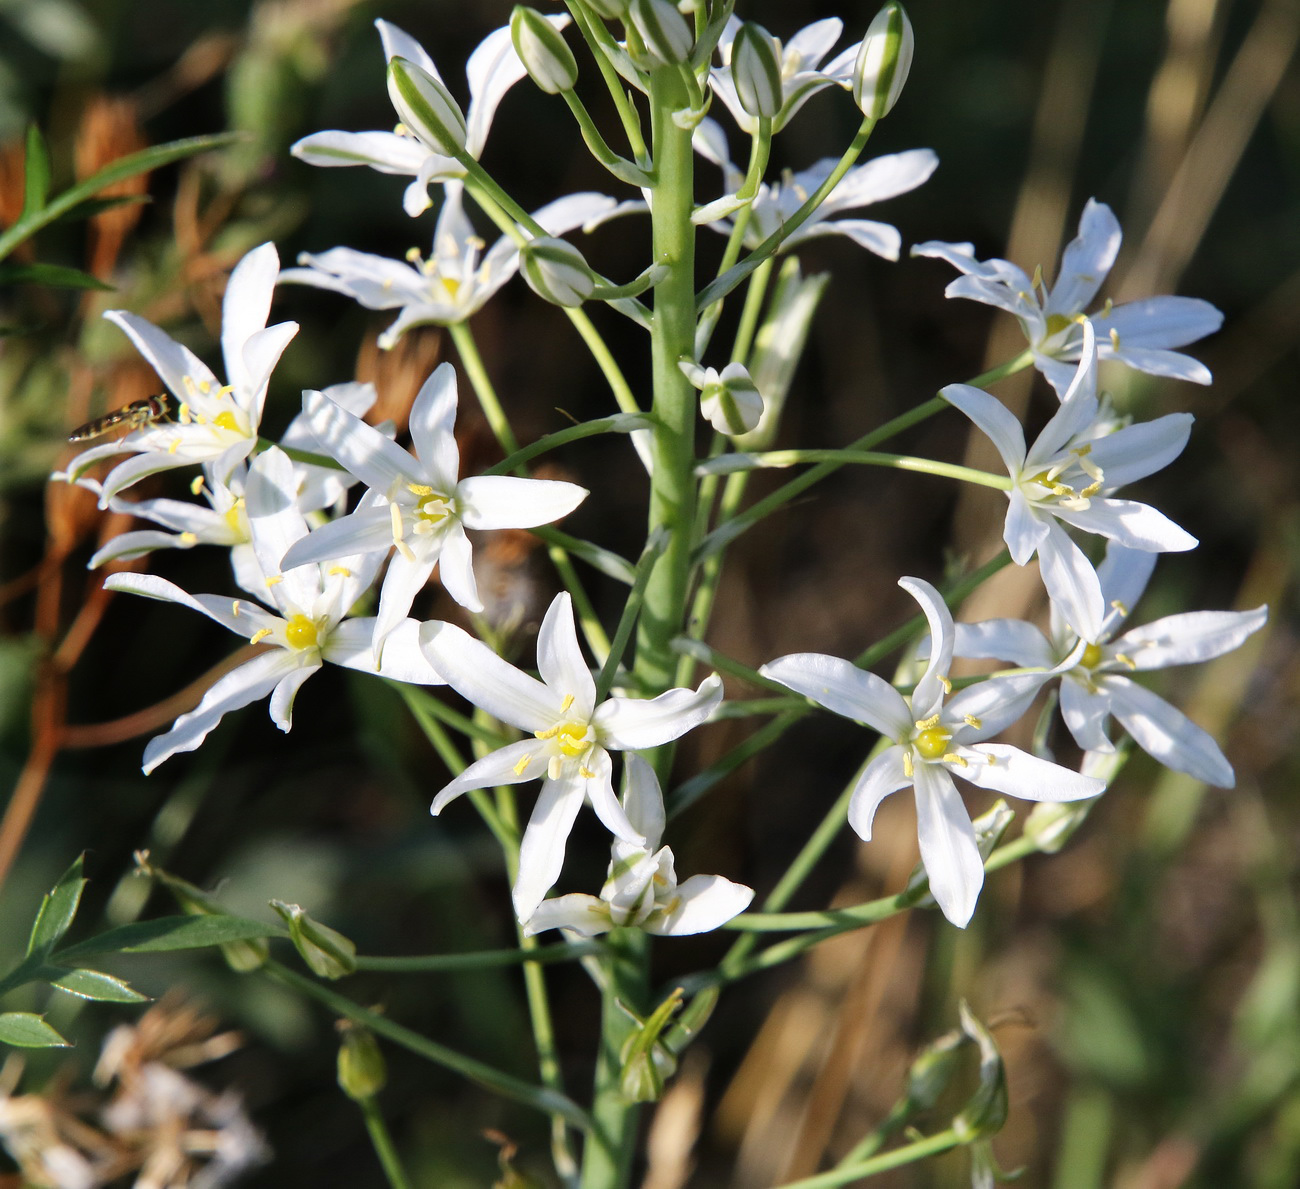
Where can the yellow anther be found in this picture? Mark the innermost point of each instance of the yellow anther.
(549, 733)
(187, 382)
(1091, 490)
(952, 757)
(990, 759)
(1120, 607)
(413, 256)
(340, 571)
(258, 636)
(568, 701)
(1108, 307)
(971, 721)
(586, 773)
(232, 516)
(908, 767)
(176, 445)
(188, 539)
(554, 768)
(183, 414)
(947, 685)
(522, 765)
(205, 386)
(196, 485)
(1037, 279)
(419, 489)
(1114, 338)
(301, 632)
(927, 724)
(234, 608)
(275, 580)
(405, 550)
(395, 518)
(1127, 661)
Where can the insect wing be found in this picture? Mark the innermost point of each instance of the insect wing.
(135, 415)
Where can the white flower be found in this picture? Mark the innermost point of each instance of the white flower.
(802, 74)
(730, 400)
(455, 282)
(1138, 333)
(934, 741)
(216, 424)
(306, 628)
(1095, 686)
(642, 891)
(569, 736)
(873, 181)
(1068, 475)
(493, 68)
(419, 503)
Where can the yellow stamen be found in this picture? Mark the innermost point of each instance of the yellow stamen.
(926, 724)
(419, 489)
(275, 580)
(196, 485)
(1114, 338)
(586, 773)
(947, 685)
(340, 571)
(522, 765)
(258, 636)
(952, 757)
(234, 608)
(188, 539)
(568, 701)
(1127, 661)
(908, 768)
(176, 445)
(971, 721)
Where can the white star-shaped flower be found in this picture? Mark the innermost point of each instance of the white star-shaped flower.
(1094, 672)
(642, 891)
(216, 424)
(418, 503)
(1067, 476)
(1138, 333)
(306, 628)
(493, 68)
(570, 737)
(933, 741)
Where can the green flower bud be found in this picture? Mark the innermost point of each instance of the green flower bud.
(325, 950)
(361, 1068)
(542, 50)
(611, 10)
(663, 29)
(756, 71)
(986, 1111)
(556, 271)
(730, 401)
(883, 62)
(426, 107)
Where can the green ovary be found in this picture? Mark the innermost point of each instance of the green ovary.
(932, 743)
(301, 632)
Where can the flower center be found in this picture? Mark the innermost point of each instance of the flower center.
(572, 738)
(301, 632)
(431, 508)
(1057, 323)
(233, 516)
(932, 742)
(1091, 657)
(226, 421)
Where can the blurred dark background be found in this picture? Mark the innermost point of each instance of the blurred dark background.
(1144, 985)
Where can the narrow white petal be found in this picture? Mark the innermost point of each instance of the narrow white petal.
(1137, 451)
(512, 764)
(1124, 574)
(844, 689)
(277, 525)
(541, 850)
(248, 683)
(433, 424)
(1166, 734)
(130, 472)
(1160, 322)
(988, 708)
(475, 672)
(260, 354)
(1085, 714)
(404, 580)
(1171, 364)
(600, 792)
(178, 367)
(881, 238)
(153, 587)
(882, 178)
(1087, 259)
(502, 501)
(1138, 526)
(378, 462)
(246, 304)
(1071, 582)
(994, 419)
(643, 800)
(1024, 529)
(129, 545)
(928, 695)
(398, 43)
(349, 644)
(282, 697)
(629, 724)
(1011, 640)
(884, 775)
(560, 661)
(702, 903)
(1189, 638)
(585, 915)
(1009, 770)
(385, 151)
(367, 530)
(948, 848)
(456, 568)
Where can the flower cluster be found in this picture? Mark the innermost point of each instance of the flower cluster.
(305, 553)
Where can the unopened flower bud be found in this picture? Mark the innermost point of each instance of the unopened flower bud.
(325, 950)
(556, 271)
(986, 1110)
(730, 401)
(362, 1071)
(663, 29)
(611, 10)
(756, 71)
(883, 62)
(426, 107)
(543, 51)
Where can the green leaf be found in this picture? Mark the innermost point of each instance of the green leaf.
(57, 910)
(115, 171)
(36, 185)
(94, 984)
(97, 206)
(54, 275)
(28, 1031)
(171, 933)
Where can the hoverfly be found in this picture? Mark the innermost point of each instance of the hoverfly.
(135, 415)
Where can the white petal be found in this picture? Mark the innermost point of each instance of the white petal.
(129, 545)
(585, 915)
(248, 683)
(1009, 770)
(643, 800)
(600, 792)
(398, 43)
(1137, 451)
(948, 848)
(153, 587)
(928, 695)
(992, 417)
(993, 705)
(475, 672)
(629, 724)
(1024, 529)
(844, 689)
(560, 661)
(259, 356)
(1160, 322)
(1170, 364)
(702, 903)
(404, 580)
(282, 696)
(881, 238)
(1124, 574)
(349, 644)
(247, 303)
(1138, 526)
(1190, 637)
(378, 462)
(130, 472)
(173, 362)
(884, 775)
(433, 424)
(502, 501)
(882, 178)
(1071, 582)
(1011, 640)
(384, 151)
(1166, 734)
(541, 850)
(456, 568)
(1085, 714)
(276, 525)
(367, 530)
(1087, 259)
